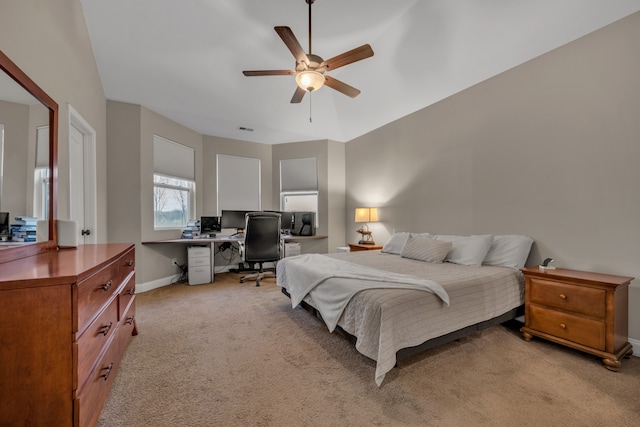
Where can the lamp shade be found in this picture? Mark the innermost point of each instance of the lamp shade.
(309, 80)
(366, 215)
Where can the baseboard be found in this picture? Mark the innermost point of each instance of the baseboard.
(636, 347)
(165, 281)
(154, 284)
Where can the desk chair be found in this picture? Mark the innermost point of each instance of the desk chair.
(262, 242)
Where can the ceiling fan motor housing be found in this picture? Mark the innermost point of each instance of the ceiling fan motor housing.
(314, 64)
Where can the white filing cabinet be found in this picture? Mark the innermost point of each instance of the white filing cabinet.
(291, 249)
(199, 262)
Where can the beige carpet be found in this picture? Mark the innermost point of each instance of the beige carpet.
(230, 354)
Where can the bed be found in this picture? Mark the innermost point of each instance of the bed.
(388, 322)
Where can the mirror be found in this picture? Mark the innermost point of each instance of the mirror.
(28, 127)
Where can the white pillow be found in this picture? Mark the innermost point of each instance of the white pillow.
(425, 249)
(467, 250)
(395, 243)
(509, 251)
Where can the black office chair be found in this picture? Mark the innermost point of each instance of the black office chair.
(262, 242)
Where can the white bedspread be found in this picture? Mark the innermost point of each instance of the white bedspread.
(312, 274)
(386, 320)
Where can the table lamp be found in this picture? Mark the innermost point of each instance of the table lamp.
(366, 215)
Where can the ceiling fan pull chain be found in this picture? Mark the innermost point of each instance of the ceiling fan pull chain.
(310, 96)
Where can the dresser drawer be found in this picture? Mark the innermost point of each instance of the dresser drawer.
(93, 340)
(577, 299)
(90, 400)
(128, 320)
(570, 327)
(93, 294)
(126, 295)
(93, 395)
(126, 265)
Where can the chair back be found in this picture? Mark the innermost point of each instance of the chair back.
(262, 239)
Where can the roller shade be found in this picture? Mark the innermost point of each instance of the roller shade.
(238, 183)
(299, 174)
(42, 147)
(173, 159)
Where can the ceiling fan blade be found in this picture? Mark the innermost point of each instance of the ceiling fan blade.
(298, 95)
(341, 87)
(269, 73)
(346, 58)
(292, 43)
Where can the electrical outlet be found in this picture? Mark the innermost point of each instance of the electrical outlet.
(174, 261)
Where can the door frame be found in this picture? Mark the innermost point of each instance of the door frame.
(90, 180)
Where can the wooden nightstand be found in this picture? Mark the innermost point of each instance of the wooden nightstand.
(355, 247)
(582, 310)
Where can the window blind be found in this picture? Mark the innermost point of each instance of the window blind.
(173, 159)
(238, 183)
(42, 146)
(299, 174)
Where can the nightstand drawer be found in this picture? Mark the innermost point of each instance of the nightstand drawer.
(564, 325)
(578, 299)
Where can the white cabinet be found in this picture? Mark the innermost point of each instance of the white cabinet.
(199, 262)
(291, 249)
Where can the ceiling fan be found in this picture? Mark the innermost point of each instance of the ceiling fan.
(310, 69)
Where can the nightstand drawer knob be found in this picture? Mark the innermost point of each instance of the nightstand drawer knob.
(563, 326)
(563, 296)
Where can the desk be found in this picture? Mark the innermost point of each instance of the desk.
(221, 239)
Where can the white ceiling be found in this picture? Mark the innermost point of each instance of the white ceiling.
(184, 59)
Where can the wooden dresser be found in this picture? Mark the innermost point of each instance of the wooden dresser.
(583, 310)
(66, 318)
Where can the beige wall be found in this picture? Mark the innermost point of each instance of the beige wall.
(15, 120)
(549, 149)
(49, 41)
(131, 129)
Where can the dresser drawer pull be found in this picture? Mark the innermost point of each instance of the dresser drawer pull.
(106, 286)
(563, 326)
(128, 263)
(108, 369)
(129, 291)
(129, 320)
(563, 296)
(104, 330)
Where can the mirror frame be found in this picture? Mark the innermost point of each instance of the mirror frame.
(11, 253)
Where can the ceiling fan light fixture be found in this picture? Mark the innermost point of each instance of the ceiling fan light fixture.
(309, 80)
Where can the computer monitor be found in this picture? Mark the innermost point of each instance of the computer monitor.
(210, 224)
(286, 220)
(233, 219)
(4, 224)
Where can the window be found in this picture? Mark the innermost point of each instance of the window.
(41, 195)
(41, 175)
(173, 184)
(172, 206)
(299, 185)
(300, 202)
(238, 183)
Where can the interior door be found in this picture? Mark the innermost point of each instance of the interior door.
(82, 177)
(76, 180)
